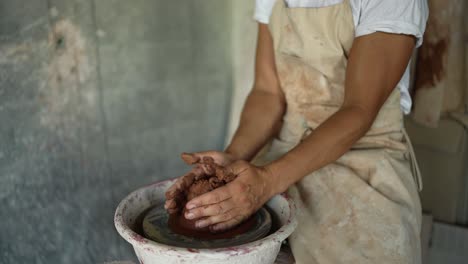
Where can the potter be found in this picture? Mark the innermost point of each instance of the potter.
(327, 105)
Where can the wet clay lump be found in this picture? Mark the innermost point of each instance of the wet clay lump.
(196, 184)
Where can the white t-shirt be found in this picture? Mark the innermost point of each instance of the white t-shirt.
(370, 16)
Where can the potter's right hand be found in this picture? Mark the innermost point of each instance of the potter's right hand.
(175, 194)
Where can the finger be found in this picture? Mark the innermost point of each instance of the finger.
(197, 157)
(200, 161)
(174, 195)
(213, 197)
(216, 219)
(170, 204)
(223, 226)
(173, 210)
(183, 183)
(208, 169)
(190, 158)
(210, 210)
(199, 172)
(217, 156)
(176, 204)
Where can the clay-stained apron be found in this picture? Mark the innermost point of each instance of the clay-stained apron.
(363, 208)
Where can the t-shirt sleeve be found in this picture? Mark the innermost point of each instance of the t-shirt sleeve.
(263, 9)
(393, 16)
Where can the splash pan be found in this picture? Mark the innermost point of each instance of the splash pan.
(128, 222)
(155, 227)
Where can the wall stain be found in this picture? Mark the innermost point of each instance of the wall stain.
(431, 65)
(64, 101)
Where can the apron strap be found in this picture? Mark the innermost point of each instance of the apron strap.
(414, 163)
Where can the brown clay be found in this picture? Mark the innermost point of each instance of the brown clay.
(212, 176)
(180, 225)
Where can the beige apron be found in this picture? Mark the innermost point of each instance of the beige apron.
(363, 208)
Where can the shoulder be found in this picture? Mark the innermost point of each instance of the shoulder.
(263, 9)
(393, 16)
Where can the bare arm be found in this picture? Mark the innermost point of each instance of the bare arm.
(260, 120)
(263, 111)
(375, 66)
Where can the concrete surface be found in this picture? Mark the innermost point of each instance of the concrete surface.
(98, 98)
(244, 43)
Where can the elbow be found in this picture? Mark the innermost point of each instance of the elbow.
(275, 97)
(282, 105)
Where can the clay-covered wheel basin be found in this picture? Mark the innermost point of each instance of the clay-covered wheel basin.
(128, 218)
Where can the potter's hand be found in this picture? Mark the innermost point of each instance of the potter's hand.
(220, 158)
(175, 197)
(233, 203)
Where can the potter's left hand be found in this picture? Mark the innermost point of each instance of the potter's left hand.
(233, 203)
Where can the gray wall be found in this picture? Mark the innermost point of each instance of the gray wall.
(98, 98)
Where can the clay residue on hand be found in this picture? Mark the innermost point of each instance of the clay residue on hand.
(205, 177)
(211, 176)
(190, 159)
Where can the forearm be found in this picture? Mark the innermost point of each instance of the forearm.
(260, 120)
(325, 145)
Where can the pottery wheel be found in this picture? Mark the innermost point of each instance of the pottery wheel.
(155, 227)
